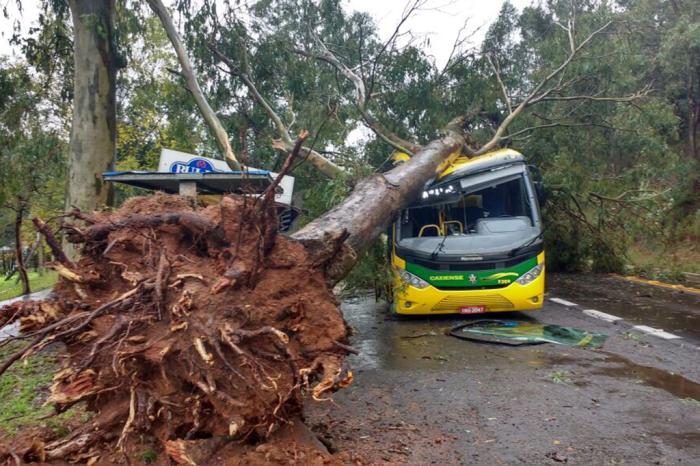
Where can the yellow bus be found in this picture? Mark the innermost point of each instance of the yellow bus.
(473, 242)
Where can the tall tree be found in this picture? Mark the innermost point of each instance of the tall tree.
(93, 131)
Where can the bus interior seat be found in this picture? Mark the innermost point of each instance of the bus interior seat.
(494, 202)
(429, 230)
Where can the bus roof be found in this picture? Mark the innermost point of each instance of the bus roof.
(465, 165)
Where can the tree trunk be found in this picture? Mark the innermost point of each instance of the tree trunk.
(93, 131)
(21, 269)
(338, 237)
(693, 112)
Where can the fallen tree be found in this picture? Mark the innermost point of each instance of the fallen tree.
(189, 327)
(198, 331)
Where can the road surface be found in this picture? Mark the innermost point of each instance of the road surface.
(422, 397)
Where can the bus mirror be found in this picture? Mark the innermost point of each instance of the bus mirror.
(541, 193)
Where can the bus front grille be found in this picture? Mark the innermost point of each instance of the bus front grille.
(491, 301)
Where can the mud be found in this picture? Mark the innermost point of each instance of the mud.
(186, 328)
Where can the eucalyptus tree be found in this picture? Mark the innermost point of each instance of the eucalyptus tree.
(94, 127)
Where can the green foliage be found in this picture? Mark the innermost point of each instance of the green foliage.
(148, 456)
(32, 147)
(619, 173)
(560, 377)
(323, 196)
(372, 271)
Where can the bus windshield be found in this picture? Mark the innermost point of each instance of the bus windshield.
(496, 207)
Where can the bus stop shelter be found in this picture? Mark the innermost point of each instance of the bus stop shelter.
(190, 184)
(251, 182)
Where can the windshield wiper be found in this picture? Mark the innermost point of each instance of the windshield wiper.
(439, 247)
(526, 244)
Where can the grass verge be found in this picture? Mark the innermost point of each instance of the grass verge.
(23, 390)
(663, 263)
(37, 281)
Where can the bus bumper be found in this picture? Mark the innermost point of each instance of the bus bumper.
(427, 301)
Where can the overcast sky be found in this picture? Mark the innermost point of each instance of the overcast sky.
(438, 21)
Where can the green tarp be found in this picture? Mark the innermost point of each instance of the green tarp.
(512, 332)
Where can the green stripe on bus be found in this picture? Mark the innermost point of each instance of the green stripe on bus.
(462, 279)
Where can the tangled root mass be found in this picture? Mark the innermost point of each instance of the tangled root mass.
(183, 325)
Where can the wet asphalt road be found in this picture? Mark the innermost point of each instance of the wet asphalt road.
(422, 397)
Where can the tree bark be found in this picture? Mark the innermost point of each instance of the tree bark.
(93, 131)
(40, 256)
(21, 268)
(693, 112)
(338, 237)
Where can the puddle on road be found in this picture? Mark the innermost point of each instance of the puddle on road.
(622, 368)
(675, 384)
(421, 343)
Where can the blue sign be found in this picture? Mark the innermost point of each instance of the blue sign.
(196, 165)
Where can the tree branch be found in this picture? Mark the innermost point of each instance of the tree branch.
(630, 98)
(497, 71)
(555, 125)
(188, 74)
(286, 143)
(531, 97)
(387, 136)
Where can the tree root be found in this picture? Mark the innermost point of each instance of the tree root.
(184, 330)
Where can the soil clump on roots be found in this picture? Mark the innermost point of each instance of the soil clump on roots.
(189, 330)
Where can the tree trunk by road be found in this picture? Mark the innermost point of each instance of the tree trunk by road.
(93, 131)
(21, 268)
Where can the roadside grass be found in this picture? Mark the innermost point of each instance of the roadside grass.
(560, 377)
(37, 281)
(663, 263)
(24, 388)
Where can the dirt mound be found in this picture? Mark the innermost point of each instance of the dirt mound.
(186, 328)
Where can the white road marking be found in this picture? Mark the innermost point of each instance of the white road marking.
(563, 301)
(601, 315)
(657, 332)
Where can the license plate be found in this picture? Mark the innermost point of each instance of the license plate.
(472, 309)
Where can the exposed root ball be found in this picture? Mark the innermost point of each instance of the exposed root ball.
(184, 324)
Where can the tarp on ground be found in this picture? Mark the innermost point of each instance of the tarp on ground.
(516, 333)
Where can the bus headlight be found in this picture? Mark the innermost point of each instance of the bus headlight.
(531, 274)
(412, 280)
